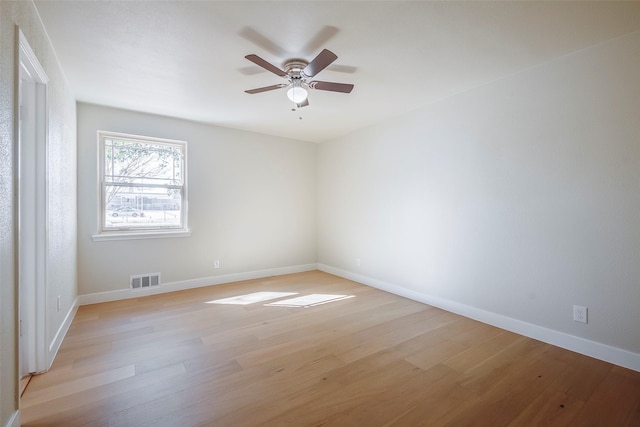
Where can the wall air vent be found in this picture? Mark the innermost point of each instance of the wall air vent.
(142, 281)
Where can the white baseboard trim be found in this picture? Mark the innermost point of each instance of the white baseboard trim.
(590, 348)
(190, 284)
(14, 421)
(55, 344)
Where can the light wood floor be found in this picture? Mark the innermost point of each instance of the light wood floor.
(371, 360)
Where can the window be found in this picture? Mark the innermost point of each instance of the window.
(143, 190)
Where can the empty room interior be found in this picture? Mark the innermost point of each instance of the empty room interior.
(336, 213)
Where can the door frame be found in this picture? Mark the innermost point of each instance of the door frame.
(32, 294)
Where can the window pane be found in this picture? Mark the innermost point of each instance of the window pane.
(137, 162)
(142, 207)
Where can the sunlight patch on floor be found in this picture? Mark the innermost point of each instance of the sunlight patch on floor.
(310, 300)
(252, 298)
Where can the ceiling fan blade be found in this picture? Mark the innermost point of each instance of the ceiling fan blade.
(319, 63)
(262, 41)
(343, 68)
(267, 66)
(330, 86)
(303, 103)
(266, 88)
(320, 39)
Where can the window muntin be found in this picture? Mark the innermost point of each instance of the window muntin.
(142, 184)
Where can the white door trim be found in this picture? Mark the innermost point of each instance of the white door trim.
(33, 213)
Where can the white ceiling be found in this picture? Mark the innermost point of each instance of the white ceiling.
(186, 59)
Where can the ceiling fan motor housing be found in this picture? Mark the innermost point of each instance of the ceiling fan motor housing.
(294, 67)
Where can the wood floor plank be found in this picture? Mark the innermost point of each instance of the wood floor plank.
(614, 402)
(513, 388)
(78, 385)
(479, 354)
(550, 408)
(96, 406)
(434, 404)
(584, 377)
(351, 393)
(374, 359)
(433, 355)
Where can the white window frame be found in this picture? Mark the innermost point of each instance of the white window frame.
(138, 232)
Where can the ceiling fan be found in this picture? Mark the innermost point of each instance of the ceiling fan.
(297, 72)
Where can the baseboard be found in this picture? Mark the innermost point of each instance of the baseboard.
(55, 344)
(190, 284)
(14, 421)
(590, 348)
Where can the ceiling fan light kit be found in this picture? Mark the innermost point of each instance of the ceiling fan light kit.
(296, 93)
(298, 72)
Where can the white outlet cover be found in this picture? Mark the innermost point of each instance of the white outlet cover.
(580, 314)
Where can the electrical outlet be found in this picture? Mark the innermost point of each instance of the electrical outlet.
(580, 314)
(216, 263)
(358, 262)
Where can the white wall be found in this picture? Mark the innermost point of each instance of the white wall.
(61, 194)
(520, 198)
(251, 204)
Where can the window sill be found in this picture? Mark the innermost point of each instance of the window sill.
(137, 235)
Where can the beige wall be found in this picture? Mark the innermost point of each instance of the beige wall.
(251, 204)
(61, 191)
(515, 200)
